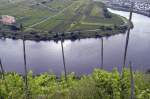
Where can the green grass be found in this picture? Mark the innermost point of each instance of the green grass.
(59, 4)
(26, 13)
(30, 13)
(93, 18)
(96, 11)
(59, 16)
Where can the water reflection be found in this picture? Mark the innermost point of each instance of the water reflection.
(81, 55)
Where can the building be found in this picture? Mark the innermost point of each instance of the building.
(7, 20)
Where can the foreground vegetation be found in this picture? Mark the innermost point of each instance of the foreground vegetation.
(51, 19)
(98, 85)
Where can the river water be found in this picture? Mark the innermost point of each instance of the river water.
(82, 56)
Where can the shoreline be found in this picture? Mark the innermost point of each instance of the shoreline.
(127, 10)
(37, 36)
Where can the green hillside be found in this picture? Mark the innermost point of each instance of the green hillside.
(48, 17)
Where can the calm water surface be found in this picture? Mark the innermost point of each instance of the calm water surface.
(82, 56)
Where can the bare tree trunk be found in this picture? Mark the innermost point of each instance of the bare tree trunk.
(2, 70)
(132, 82)
(102, 54)
(126, 49)
(25, 64)
(128, 36)
(3, 77)
(26, 71)
(64, 62)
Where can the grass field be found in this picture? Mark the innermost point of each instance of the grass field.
(28, 12)
(58, 16)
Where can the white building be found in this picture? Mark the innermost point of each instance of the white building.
(7, 20)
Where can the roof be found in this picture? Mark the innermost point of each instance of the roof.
(7, 20)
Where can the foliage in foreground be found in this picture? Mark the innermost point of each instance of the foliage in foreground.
(98, 85)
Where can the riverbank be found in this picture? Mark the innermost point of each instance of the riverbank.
(81, 19)
(43, 36)
(48, 54)
(98, 84)
(119, 8)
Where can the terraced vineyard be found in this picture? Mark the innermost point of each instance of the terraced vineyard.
(30, 12)
(54, 16)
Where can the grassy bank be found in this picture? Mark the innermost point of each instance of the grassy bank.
(52, 20)
(40, 35)
(98, 85)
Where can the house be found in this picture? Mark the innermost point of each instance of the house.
(7, 20)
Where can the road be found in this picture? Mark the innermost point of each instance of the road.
(49, 17)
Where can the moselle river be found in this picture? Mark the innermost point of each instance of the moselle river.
(82, 56)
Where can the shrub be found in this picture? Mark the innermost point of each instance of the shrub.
(100, 84)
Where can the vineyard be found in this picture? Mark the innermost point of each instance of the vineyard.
(69, 19)
(98, 85)
(49, 19)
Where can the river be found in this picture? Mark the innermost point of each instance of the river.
(82, 56)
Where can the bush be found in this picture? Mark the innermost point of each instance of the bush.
(98, 85)
(106, 13)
